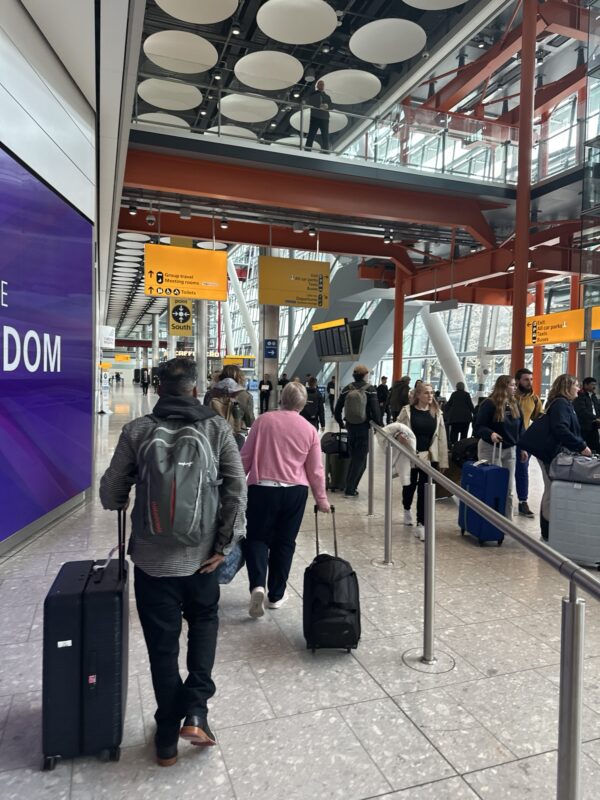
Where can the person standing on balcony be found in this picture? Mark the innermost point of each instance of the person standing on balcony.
(319, 103)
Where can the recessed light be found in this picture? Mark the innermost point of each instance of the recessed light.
(224, 224)
(312, 231)
(133, 210)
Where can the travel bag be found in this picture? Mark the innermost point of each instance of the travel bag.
(85, 658)
(574, 515)
(335, 444)
(336, 472)
(488, 483)
(575, 468)
(331, 603)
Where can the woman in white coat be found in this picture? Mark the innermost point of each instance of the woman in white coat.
(424, 417)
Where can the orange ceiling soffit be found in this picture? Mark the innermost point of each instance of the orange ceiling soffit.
(300, 192)
(565, 19)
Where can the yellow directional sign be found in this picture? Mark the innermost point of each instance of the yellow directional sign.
(180, 317)
(122, 357)
(293, 282)
(182, 272)
(559, 328)
(104, 365)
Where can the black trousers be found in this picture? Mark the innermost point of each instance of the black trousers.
(315, 125)
(418, 479)
(264, 401)
(458, 430)
(274, 516)
(385, 413)
(145, 388)
(331, 403)
(358, 448)
(162, 603)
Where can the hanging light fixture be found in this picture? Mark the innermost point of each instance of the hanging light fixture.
(235, 28)
(133, 210)
(312, 231)
(224, 224)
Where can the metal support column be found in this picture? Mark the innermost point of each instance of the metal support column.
(201, 342)
(155, 341)
(538, 352)
(228, 329)
(269, 329)
(523, 215)
(387, 550)
(245, 314)
(429, 604)
(171, 346)
(370, 511)
(398, 325)
(571, 691)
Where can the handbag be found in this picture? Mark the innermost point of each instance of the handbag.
(234, 561)
(575, 468)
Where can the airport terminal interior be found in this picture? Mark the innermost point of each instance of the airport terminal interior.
(287, 189)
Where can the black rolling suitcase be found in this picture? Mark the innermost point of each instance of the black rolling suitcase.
(86, 634)
(331, 604)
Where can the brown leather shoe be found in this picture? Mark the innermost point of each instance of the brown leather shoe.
(196, 731)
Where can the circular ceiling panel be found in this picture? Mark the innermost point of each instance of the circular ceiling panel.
(232, 130)
(337, 121)
(349, 86)
(294, 141)
(297, 21)
(247, 108)
(205, 12)
(387, 41)
(269, 70)
(158, 118)
(170, 94)
(128, 245)
(434, 5)
(180, 51)
(134, 237)
(128, 259)
(210, 246)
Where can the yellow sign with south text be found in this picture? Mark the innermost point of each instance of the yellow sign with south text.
(293, 282)
(122, 357)
(182, 272)
(559, 328)
(180, 317)
(104, 365)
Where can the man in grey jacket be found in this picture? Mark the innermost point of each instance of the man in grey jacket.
(172, 579)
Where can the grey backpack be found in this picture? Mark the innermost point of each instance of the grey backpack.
(575, 468)
(180, 482)
(355, 405)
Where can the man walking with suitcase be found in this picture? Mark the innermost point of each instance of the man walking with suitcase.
(179, 539)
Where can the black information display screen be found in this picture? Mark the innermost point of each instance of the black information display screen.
(333, 342)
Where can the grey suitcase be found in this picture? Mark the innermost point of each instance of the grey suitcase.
(574, 515)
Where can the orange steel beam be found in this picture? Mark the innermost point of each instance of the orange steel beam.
(555, 259)
(550, 96)
(483, 295)
(567, 20)
(263, 235)
(471, 269)
(221, 182)
(556, 232)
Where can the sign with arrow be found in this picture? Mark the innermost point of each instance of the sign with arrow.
(182, 271)
(180, 317)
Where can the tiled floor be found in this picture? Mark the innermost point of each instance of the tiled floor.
(482, 723)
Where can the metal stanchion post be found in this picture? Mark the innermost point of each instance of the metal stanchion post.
(429, 600)
(370, 512)
(387, 552)
(571, 690)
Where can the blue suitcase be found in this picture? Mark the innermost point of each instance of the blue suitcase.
(488, 483)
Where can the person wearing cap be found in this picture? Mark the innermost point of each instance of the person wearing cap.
(356, 407)
(243, 397)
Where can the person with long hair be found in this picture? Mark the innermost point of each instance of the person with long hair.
(424, 417)
(500, 422)
(243, 398)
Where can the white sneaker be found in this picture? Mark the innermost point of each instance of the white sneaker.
(420, 532)
(257, 599)
(408, 520)
(278, 603)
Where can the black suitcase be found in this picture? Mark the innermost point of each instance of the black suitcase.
(331, 603)
(335, 444)
(85, 661)
(336, 473)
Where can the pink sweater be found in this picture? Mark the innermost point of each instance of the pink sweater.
(283, 446)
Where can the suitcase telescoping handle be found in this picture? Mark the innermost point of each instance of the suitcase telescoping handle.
(120, 547)
(335, 546)
(499, 451)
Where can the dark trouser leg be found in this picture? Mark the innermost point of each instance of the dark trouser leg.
(264, 402)
(312, 132)
(325, 135)
(331, 403)
(522, 478)
(283, 542)
(422, 480)
(200, 610)
(261, 519)
(408, 492)
(358, 446)
(159, 603)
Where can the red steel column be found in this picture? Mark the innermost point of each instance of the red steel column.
(538, 352)
(398, 324)
(575, 303)
(523, 213)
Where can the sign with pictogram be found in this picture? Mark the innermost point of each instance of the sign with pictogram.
(271, 347)
(559, 328)
(180, 317)
(293, 282)
(171, 271)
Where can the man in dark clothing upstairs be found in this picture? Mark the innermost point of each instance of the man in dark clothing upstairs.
(357, 405)
(383, 398)
(319, 103)
(331, 394)
(458, 413)
(175, 579)
(587, 408)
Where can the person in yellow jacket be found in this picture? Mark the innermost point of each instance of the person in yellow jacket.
(531, 407)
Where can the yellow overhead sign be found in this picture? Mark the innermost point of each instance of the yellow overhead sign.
(104, 365)
(560, 328)
(122, 357)
(182, 272)
(595, 324)
(293, 282)
(180, 317)
(336, 323)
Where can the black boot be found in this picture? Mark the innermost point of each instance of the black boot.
(545, 528)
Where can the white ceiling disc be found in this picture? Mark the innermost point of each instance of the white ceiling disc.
(180, 51)
(200, 12)
(165, 240)
(232, 130)
(434, 5)
(128, 260)
(130, 251)
(247, 108)
(127, 245)
(269, 70)
(158, 118)
(297, 21)
(337, 121)
(209, 245)
(170, 94)
(134, 237)
(294, 141)
(349, 86)
(387, 41)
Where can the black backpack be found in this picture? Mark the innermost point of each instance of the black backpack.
(311, 409)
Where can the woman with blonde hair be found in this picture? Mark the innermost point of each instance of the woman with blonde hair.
(243, 398)
(500, 422)
(424, 418)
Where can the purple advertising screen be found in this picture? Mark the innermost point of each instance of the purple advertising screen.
(46, 349)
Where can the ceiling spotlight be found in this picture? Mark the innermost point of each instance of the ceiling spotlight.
(185, 212)
(217, 75)
(296, 94)
(151, 219)
(298, 227)
(235, 28)
(481, 45)
(387, 239)
(273, 124)
(312, 231)
(326, 47)
(203, 112)
(309, 75)
(223, 224)
(133, 210)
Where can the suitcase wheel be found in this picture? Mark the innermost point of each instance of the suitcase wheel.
(462, 531)
(49, 763)
(348, 649)
(115, 754)
(500, 541)
(481, 543)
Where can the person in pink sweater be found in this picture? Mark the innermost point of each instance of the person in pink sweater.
(282, 458)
